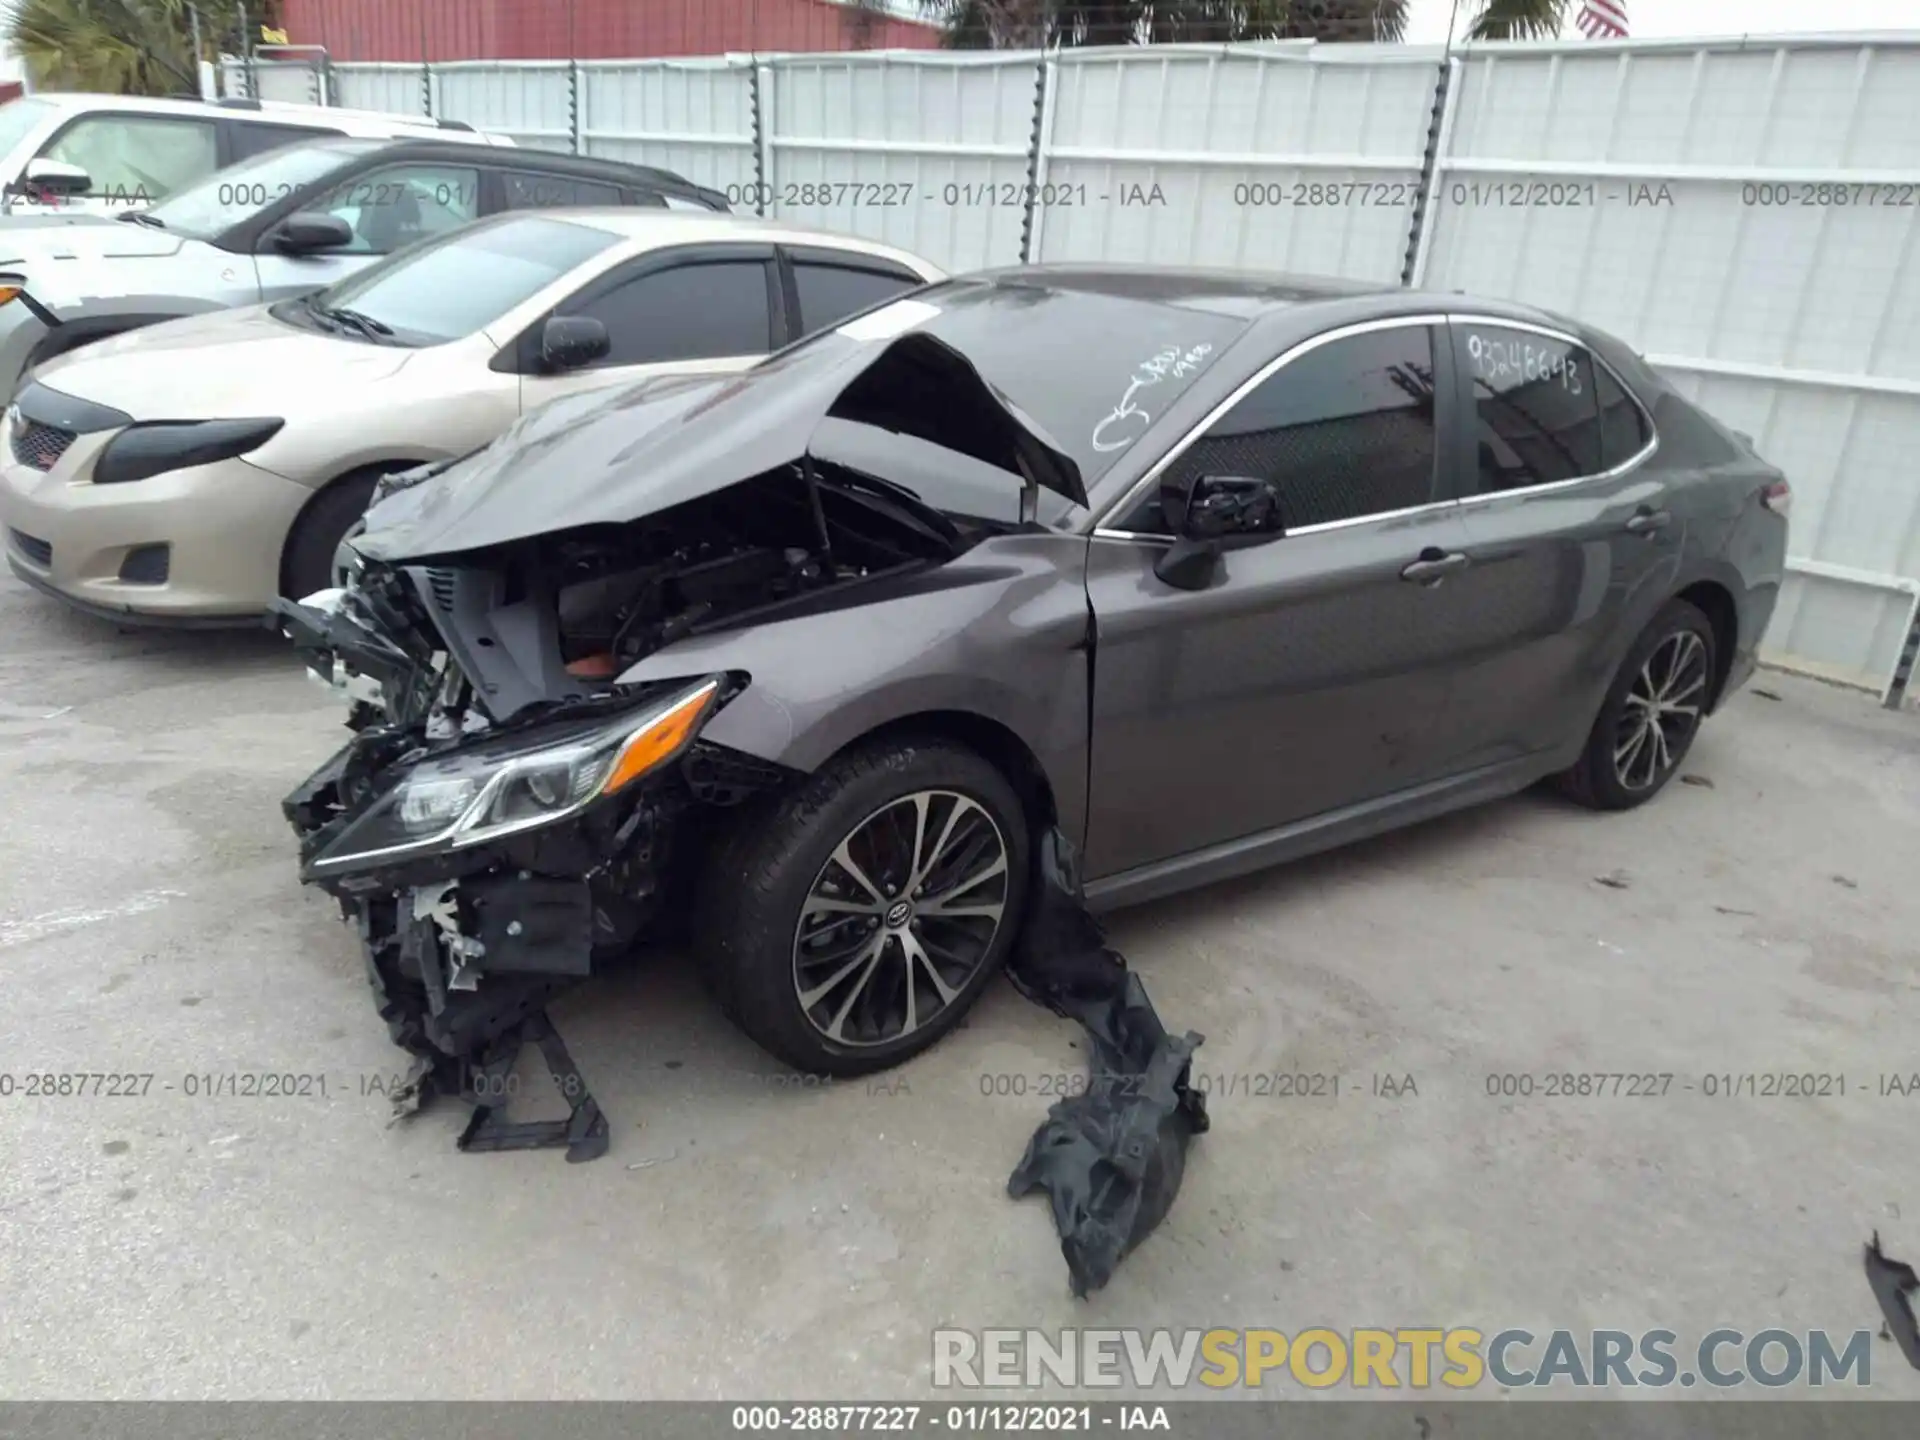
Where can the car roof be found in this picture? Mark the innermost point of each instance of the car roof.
(1244, 294)
(652, 228)
(264, 111)
(584, 167)
(1294, 301)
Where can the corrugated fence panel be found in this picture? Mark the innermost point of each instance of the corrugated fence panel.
(1747, 218)
(1747, 214)
(1266, 157)
(292, 82)
(395, 89)
(530, 100)
(694, 117)
(930, 154)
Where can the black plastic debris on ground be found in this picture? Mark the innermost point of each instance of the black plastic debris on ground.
(1110, 1159)
(1893, 1281)
(467, 1043)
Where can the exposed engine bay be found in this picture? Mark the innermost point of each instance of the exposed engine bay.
(456, 667)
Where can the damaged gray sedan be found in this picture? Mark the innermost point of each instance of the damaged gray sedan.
(808, 668)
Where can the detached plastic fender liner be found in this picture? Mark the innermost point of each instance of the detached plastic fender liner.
(1111, 1159)
(1893, 1281)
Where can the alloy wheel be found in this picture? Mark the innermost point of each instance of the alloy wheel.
(900, 918)
(1661, 711)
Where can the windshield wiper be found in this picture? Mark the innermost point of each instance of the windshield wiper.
(141, 217)
(352, 320)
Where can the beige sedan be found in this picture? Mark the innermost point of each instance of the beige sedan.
(193, 471)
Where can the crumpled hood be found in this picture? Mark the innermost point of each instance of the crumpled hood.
(64, 240)
(597, 459)
(224, 365)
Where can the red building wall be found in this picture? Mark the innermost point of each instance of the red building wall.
(436, 30)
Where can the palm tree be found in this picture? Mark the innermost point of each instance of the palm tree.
(122, 47)
(1029, 24)
(1515, 19)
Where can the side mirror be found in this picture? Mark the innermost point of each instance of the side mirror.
(54, 177)
(1209, 515)
(305, 231)
(569, 341)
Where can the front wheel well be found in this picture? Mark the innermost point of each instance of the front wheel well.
(1000, 746)
(371, 471)
(1715, 601)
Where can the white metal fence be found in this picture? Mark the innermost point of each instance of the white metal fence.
(1744, 212)
(1745, 215)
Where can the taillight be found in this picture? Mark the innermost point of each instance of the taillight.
(1777, 497)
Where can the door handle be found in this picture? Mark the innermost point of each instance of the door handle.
(1648, 522)
(1434, 565)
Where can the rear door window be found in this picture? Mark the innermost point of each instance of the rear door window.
(829, 293)
(1536, 407)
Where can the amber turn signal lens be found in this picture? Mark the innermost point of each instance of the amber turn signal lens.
(662, 738)
(8, 293)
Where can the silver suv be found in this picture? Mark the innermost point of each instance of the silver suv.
(285, 223)
(77, 154)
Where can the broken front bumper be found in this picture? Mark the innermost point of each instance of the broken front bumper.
(487, 873)
(463, 965)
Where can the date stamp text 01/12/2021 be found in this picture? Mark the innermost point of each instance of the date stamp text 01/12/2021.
(1014, 195)
(1276, 1084)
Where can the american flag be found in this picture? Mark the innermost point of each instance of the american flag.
(1603, 19)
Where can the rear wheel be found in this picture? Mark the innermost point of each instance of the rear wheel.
(855, 921)
(307, 564)
(1651, 714)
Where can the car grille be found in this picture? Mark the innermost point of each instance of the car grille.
(38, 445)
(31, 546)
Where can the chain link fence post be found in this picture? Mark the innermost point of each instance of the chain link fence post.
(426, 65)
(760, 95)
(1046, 79)
(1419, 231)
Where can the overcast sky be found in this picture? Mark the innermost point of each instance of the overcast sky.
(1427, 20)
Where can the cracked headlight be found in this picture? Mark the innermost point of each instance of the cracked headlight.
(488, 791)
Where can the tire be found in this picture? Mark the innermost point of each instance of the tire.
(1679, 639)
(307, 563)
(771, 962)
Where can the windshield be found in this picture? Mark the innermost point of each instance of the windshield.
(17, 117)
(463, 281)
(222, 200)
(1091, 368)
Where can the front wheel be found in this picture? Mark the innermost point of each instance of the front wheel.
(1652, 712)
(853, 922)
